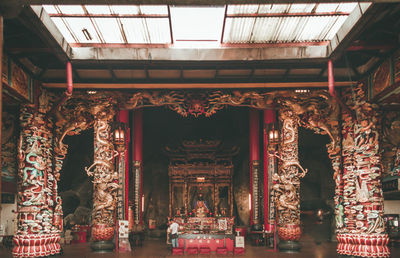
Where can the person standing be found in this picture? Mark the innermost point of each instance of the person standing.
(173, 228)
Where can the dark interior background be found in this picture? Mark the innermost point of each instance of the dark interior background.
(162, 127)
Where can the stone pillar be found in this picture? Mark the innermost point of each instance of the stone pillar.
(105, 182)
(287, 189)
(254, 124)
(137, 157)
(361, 228)
(38, 230)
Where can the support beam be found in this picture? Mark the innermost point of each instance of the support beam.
(332, 91)
(280, 15)
(109, 15)
(273, 52)
(368, 47)
(115, 86)
(36, 19)
(189, 2)
(355, 24)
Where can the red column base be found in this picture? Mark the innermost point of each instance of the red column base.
(36, 245)
(290, 232)
(102, 232)
(364, 245)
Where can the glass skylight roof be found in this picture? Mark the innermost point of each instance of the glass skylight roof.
(197, 23)
(94, 25)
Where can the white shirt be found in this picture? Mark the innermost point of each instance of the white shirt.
(174, 228)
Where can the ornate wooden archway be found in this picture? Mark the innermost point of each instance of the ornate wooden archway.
(315, 110)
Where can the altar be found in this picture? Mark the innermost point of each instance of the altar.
(200, 188)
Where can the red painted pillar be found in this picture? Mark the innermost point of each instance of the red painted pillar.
(331, 80)
(124, 118)
(269, 167)
(254, 124)
(137, 159)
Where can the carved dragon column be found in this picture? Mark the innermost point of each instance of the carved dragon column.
(363, 228)
(38, 230)
(287, 188)
(105, 180)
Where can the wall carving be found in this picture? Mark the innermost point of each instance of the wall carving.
(391, 143)
(9, 147)
(194, 103)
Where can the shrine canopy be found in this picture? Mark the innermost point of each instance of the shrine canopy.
(201, 151)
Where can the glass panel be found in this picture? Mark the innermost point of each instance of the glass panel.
(301, 8)
(335, 28)
(125, 9)
(79, 26)
(50, 8)
(136, 30)
(237, 9)
(197, 23)
(63, 29)
(332, 7)
(153, 9)
(346, 7)
(110, 30)
(71, 9)
(159, 30)
(238, 30)
(98, 9)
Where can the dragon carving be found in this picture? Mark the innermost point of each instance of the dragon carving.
(105, 179)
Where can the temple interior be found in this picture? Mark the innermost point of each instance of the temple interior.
(254, 128)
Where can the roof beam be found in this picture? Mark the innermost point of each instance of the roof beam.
(280, 15)
(37, 20)
(192, 65)
(223, 25)
(171, 33)
(354, 25)
(323, 84)
(214, 54)
(189, 2)
(109, 15)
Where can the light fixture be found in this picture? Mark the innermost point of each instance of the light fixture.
(142, 202)
(119, 136)
(302, 91)
(273, 133)
(91, 92)
(201, 179)
(249, 202)
(86, 34)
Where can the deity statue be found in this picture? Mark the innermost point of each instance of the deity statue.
(200, 207)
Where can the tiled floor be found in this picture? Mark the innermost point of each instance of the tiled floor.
(158, 248)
